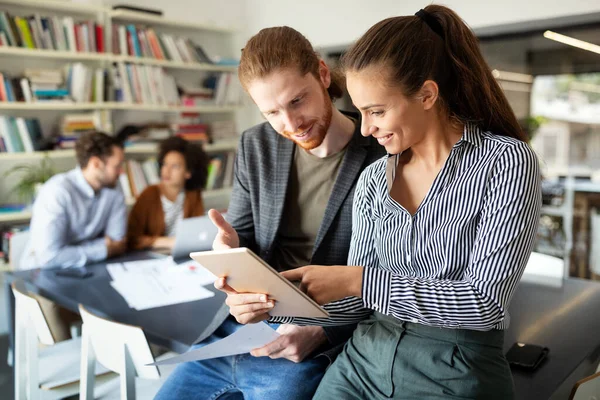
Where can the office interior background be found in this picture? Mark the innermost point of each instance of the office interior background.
(545, 55)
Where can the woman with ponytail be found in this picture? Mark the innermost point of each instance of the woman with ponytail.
(442, 227)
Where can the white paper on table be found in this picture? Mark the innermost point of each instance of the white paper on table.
(189, 270)
(243, 340)
(157, 283)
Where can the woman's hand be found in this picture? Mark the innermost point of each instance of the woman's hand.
(247, 308)
(327, 283)
(164, 242)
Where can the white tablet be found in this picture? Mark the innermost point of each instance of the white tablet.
(248, 273)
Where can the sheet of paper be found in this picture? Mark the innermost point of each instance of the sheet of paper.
(243, 340)
(159, 282)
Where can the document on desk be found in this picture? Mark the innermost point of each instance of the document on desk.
(159, 282)
(247, 338)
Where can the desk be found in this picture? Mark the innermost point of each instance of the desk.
(175, 327)
(566, 320)
(561, 318)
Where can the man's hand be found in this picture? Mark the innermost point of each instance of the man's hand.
(327, 283)
(247, 308)
(227, 237)
(295, 343)
(114, 247)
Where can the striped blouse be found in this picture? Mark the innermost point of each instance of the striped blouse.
(457, 261)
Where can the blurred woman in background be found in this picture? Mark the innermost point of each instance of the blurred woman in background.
(183, 173)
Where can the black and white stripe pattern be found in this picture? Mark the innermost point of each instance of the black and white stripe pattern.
(457, 261)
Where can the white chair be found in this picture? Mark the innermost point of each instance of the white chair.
(50, 372)
(587, 388)
(16, 247)
(123, 349)
(544, 269)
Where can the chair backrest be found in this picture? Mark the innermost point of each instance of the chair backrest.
(27, 305)
(109, 339)
(16, 247)
(587, 388)
(544, 266)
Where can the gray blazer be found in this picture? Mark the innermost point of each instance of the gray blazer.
(261, 174)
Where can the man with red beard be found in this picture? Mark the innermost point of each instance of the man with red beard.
(292, 205)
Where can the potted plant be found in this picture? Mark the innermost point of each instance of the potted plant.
(31, 178)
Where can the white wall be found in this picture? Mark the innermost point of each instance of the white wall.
(337, 22)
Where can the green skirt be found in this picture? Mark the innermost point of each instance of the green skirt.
(390, 359)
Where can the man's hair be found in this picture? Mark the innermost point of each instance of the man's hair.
(196, 160)
(96, 144)
(281, 47)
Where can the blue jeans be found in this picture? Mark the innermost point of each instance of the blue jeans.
(243, 376)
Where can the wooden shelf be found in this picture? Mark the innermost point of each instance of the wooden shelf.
(57, 106)
(173, 64)
(177, 109)
(126, 15)
(148, 148)
(134, 149)
(67, 6)
(207, 195)
(81, 56)
(49, 106)
(53, 54)
(15, 216)
(23, 216)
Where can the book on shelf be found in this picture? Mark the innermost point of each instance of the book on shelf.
(142, 41)
(137, 175)
(74, 124)
(7, 232)
(223, 130)
(51, 33)
(220, 170)
(21, 135)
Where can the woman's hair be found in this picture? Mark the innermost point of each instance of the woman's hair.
(439, 46)
(196, 160)
(282, 47)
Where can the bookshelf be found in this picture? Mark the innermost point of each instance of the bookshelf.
(210, 36)
(142, 149)
(59, 106)
(98, 57)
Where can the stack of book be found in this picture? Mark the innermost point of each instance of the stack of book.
(226, 88)
(18, 135)
(73, 125)
(51, 33)
(74, 83)
(192, 132)
(137, 175)
(223, 130)
(46, 84)
(144, 84)
(140, 41)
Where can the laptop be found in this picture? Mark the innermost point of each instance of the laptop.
(192, 235)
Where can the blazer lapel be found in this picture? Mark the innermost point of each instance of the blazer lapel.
(285, 156)
(348, 174)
